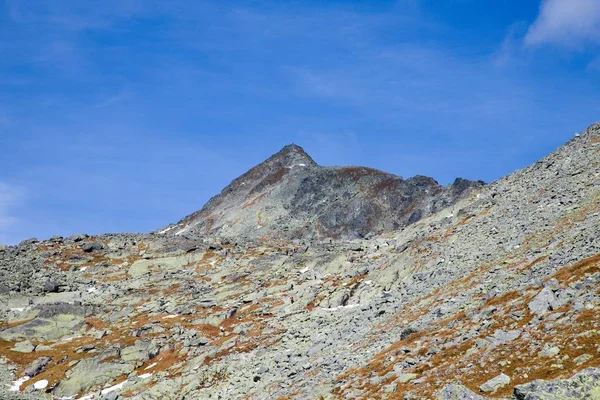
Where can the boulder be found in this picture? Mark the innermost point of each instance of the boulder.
(457, 392)
(584, 385)
(91, 247)
(494, 384)
(36, 367)
(24, 347)
(541, 303)
(89, 373)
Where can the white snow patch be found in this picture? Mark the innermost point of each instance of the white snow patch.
(171, 316)
(16, 385)
(145, 376)
(111, 389)
(304, 270)
(368, 283)
(168, 229)
(340, 307)
(83, 269)
(296, 165)
(39, 385)
(150, 366)
(91, 290)
(18, 309)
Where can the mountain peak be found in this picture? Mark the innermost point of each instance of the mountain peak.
(293, 154)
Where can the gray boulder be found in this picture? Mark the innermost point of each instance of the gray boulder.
(36, 367)
(584, 385)
(541, 304)
(495, 383)
(89, 373)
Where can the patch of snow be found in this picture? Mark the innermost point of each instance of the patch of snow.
(16, 385)
(168, 229)
(171, 316)
(111, 389)
(150, 366)
(258, 226)
(39, 385)
(185, 229)
(296, 165)
(145, 376)
(83, 269)
(304, 270)
(18, 309)
(340, 307)
(368, 283)
(91, 290)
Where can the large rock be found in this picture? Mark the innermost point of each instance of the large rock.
(494, 384)
(89, 373)
(36, 367)
(457, 392)
(584, 385)
(542, 302)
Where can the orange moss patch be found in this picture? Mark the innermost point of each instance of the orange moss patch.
(578, 271)
(162, 362)
(96, 323)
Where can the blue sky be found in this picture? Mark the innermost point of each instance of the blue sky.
(126, 115)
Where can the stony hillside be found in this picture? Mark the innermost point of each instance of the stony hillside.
(494, 296)
(290, 196)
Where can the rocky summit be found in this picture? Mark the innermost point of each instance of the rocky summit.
(290, 196)
(307, 282)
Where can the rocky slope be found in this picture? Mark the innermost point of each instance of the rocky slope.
(290, 196)
(495, 296)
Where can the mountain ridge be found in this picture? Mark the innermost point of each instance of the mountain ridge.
(292, 188)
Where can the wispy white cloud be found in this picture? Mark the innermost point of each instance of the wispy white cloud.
(572, 23)
(511, 50)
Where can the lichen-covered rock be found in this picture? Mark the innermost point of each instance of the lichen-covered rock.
(495, 383)
(89, 373)
(584, 385)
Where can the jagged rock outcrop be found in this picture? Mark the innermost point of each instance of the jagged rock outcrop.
(290, 196)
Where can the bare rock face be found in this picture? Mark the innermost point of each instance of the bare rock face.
(290, 196)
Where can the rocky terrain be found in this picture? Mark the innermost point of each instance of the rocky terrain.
(308, 282)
